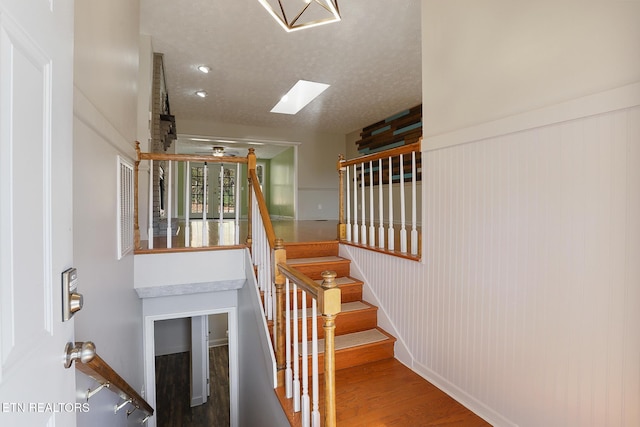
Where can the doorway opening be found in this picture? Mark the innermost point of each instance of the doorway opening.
(191, 372)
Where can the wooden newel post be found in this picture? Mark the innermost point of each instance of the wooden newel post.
(342, 227)
(251, 166)
(280, 257)
(136, 225)
(330, 306)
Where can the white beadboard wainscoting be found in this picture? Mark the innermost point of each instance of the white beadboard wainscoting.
(526, 307)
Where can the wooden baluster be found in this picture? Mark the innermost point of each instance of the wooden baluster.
(169, 190)
(330, 309)
(355, 204)
(187, 204)
(363, 227)
(136, 224)
(341, 223)
(306, 410)
(403, 230)
(150, 225)
(250, 211)
(414, 198)
(236, 197)
(288, 374)
(266, 273)
(279, 257)
(380, 207)
(251, 166)
(205, 197)
(372, 229)
(348, 202)
(391, 240)
(296, 358)
(315, 413)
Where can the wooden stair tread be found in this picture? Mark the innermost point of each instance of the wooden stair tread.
(344, 280)
(353, 340)
(345, 307)
(316, 260)
(306, 249)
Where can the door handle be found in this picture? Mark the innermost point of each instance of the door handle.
(83, 351)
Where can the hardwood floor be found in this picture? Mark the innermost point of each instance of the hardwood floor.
(173, 391)
(388, 394)
(286, 229)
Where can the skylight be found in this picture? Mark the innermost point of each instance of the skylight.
(302, 93)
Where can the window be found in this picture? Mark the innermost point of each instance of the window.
(125, 207)
(228, 191)
(197, 189)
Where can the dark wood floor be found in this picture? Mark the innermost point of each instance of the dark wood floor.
(173, 399)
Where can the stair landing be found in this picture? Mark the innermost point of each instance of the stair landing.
(387, 393)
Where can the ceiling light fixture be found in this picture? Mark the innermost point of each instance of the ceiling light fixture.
(302, 93)
(204, 69)
(310, 14)
(201, 93)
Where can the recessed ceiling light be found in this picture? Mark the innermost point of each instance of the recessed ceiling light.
(302, 93)
(204, 69)
(201, 93)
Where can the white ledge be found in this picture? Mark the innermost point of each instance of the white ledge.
(189, 288)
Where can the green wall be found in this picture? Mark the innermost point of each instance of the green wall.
(281, 184)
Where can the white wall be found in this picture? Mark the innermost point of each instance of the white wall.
(105, 127)
(527, 305)
(106, 60)
(259, 405)
(487, 60)
(317, 157)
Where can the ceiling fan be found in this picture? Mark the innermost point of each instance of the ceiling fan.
(219, 151)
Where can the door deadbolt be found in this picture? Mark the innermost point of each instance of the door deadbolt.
(71, 300)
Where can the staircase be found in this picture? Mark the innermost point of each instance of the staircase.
(358, 338)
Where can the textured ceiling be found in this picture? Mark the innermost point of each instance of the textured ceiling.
(371, 59)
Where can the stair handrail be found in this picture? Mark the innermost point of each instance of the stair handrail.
(91, 364)
(379, 240)
(391, 152)
(262, 204)
(278, 273)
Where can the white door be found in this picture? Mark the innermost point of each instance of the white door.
(36, 93)
(220, 189)
(199, 360)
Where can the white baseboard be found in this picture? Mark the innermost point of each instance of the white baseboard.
(218, 342)
(404, 355)
(469, 402)
(173, 350)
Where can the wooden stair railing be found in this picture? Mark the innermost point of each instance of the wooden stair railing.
(327, 298)
(176, 159)
(381, 169)
(92, 365)
(274, 276)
